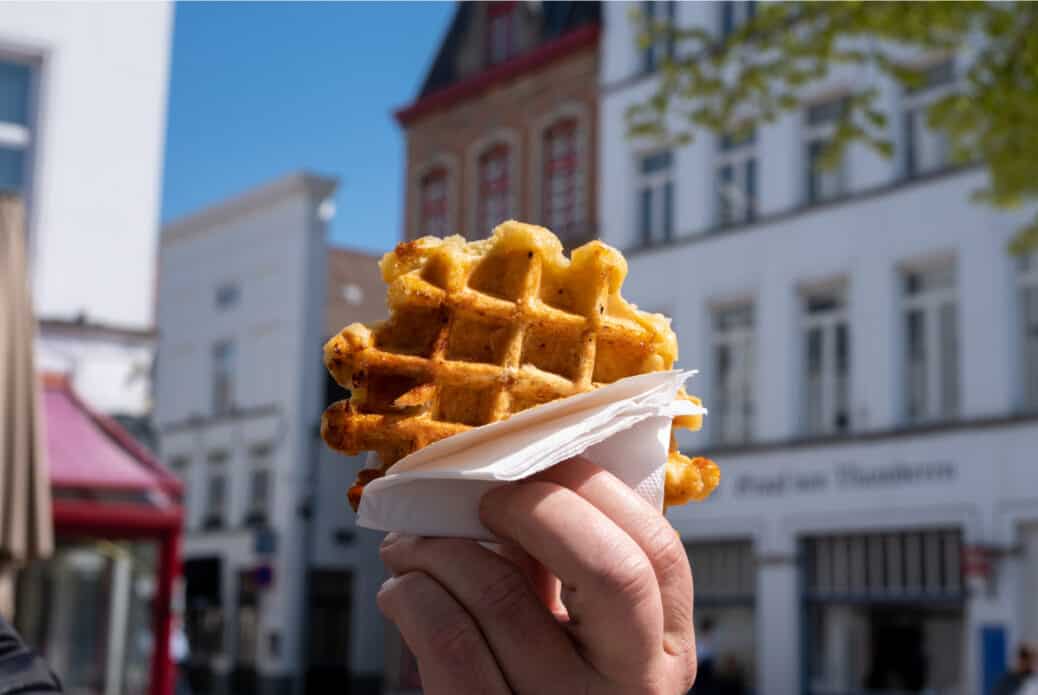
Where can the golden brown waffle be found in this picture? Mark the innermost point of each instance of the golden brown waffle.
(481, 330)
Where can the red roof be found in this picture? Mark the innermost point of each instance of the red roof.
(86, 450)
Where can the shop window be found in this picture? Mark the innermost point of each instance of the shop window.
(433, 205)
(820, 121)
(885, 612)
(561, 180)
(726, 586)
(926, 150)
(931, 343)
(737, 178)
(1028, 290)
(656, 198)
(826, 363)
(495, 193)
(734, 368)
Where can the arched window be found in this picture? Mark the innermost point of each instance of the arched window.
(561, 178)
(433, 203)
(494, 188)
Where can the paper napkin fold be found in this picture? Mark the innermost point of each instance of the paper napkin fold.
(623, 427)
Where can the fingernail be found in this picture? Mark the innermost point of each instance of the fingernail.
(388, 584)
(391, 538)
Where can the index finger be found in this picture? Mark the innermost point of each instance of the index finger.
(608, 582)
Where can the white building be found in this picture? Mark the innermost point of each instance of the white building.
(279, 582)
(82, 123)
(869, 355)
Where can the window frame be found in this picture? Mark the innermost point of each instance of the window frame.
(741, 158)
(820, 134)
(448, 162)
(650, 57)
(940, 401)
(659, 185)
(567, 169)
(261, 460)
(215, 515)
(501, 13)
(732, 15)
(441, 176)
(223, 373)
(828, 322)
(17, 137)
(474, 153)
(914, 104)
(740, 407)
(1027, 284)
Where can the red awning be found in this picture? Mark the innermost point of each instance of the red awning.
(92, 453)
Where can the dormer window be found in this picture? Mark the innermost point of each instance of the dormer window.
(501, 32)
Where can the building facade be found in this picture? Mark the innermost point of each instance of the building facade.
(90, 176)
(505, 124)
(869, 353)
(276, 598)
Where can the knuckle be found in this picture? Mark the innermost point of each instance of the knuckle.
(454, 639)
(631, 576)
(666, 550)
(504, 596)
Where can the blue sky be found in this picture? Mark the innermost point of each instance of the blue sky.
(259, 90)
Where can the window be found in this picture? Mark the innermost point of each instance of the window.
(561, 181)
(227, 295)
(734, 14)
(821, 120)
(258, 504)
(433, 206)
(15, 81)
(216, 491)
(656, 14)
(926, 150)
(656, 198)
(734, 369)
(826, 363)
(737, 178)
(501, 32)
(223, 377)
(494, 188)
(1028, 282)
(931, 350)
(180, 466)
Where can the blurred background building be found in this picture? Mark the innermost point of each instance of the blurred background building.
(279, 585)
(82, 116)
(868, 354)
(505, 123)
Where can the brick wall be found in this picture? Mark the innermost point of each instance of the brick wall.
(522, 105)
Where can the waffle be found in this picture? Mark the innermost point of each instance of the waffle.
(481, 330)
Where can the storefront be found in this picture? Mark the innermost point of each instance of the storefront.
(99, 609)
(902, 563)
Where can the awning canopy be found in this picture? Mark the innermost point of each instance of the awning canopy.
(93, 459)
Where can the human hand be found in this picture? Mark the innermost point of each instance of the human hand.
(594, 594)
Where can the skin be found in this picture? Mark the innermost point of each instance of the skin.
(590, 593)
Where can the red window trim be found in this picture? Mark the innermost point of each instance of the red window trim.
(568, 166)
(430, 209)
(498, 189)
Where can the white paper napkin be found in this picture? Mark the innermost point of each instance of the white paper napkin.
(623, 427)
